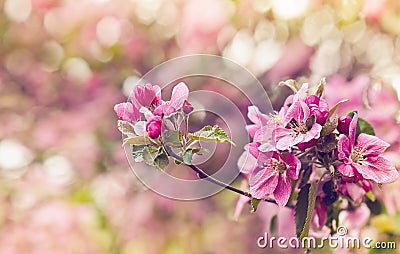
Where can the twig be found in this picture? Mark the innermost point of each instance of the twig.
(209, 178)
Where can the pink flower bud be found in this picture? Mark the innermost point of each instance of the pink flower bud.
(145, 95)
(343, 124)
(366, 185)
(187, 107)
(153, 127)
(318, 107)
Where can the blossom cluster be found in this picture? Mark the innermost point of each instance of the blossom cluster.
(147, 100)
(306, 148)
(304, 151)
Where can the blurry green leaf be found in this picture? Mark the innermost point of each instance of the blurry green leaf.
(209, 133)
(370, 196)
(304, 209)
(172, 138)
(274, 225)
(177, 162)
(187, 156)
(254, 204)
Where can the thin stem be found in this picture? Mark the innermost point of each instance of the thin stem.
(209, 178)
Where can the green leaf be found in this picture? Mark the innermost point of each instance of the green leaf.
(335, 107)
(254, 204)
(155, 157)
(137, 152)
(172, 138)
(126, 128)
(306, 170)
(370, 196)
(187, 156)
(304, 209)
(210, 134)
(177, 162)
(161, 161)
(365, 127)
(149, 154)
(134, 140)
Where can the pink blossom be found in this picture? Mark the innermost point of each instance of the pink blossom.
(318, 107)
(298, 126)
(272, 176)
(179, 95)
(362, 157)
(257, 118)
(147, 94)
(127, 111)
(153, 127)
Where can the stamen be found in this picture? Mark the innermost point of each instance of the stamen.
(356, 155)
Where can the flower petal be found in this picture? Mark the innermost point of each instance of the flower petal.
(246, 163)
(251, 129)
(256, 116)
(313, 133)
(373, 146)
(161, 109)
(140, 128)
(263, 182)
(283, 138)
(378, 169)
(353, 129)
(344, 147)
(127, 111)
(282, 191)
(346, 169)
(294, 166)
(356, 192)
(264, 133)
(180, 93)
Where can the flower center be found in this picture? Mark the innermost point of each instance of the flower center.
(301, 128)
(356, 155)
(298, 127)
(278, 165)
